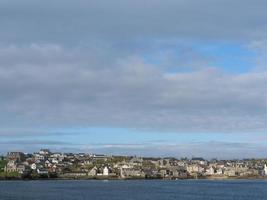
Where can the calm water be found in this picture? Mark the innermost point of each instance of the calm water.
(127, 190)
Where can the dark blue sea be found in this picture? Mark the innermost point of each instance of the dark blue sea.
(131, 190)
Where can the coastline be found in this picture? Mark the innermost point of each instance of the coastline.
(213, 178)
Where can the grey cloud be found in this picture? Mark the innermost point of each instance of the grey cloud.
(33, 142)
(81, 63)
(83, 22)
(61, 87)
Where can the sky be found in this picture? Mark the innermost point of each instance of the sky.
(160, 78)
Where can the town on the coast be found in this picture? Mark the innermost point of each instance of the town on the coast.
(55, 165)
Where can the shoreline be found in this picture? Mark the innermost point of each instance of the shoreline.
(137, 179)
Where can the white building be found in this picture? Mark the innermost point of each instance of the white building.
(265, 170)
(219, 171)
(105, 171)
(194, 169)
(54, 161)
(33, 166)
(209, 171)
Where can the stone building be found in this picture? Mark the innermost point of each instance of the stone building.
(16, 156)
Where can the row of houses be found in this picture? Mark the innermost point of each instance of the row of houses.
(68, 165)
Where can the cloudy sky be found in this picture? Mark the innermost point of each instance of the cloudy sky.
(135, 77)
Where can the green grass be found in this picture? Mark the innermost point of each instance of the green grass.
(9, 175)
(2, 165)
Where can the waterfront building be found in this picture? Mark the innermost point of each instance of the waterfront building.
(209, 171)
(131, 172)
(265, 170)
(21, 168)
(11, 166)
(105, 171)
(219, 171)
(93, 172)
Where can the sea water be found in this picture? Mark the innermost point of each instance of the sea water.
(134, 189)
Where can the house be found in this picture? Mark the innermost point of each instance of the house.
(181, 164)
(199, 160)
(250, 172)
(17, 156)
(93, 172)
(164, 162)
(48, 163)
(39, 157)
(11, 166)
(265, 170)
(106, 171)
(100, 157)
(58, 156)
(45, 152)
(209, 171)
(182, 174)
(195, 168)
(33, 166)
(131, 172)
(54, 168)
(21, 168)
(75, 174)
(219, 171)
(42, 171)
(163, 173)
(151, 173)
(87, 162)
(174, 173)
(54, 161)
(229, 171)
(123, 165)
